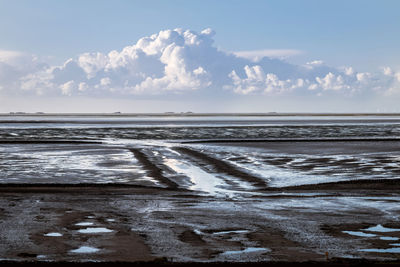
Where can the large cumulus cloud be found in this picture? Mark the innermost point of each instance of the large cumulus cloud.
(180, 62)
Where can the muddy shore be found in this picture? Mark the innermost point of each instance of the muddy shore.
(352, 215)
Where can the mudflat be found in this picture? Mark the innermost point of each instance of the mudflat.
(249, 220)
(200, 190)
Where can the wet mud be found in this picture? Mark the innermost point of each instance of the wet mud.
(303, 205)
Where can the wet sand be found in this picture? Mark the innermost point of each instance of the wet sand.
(165, 221)
(151, 223)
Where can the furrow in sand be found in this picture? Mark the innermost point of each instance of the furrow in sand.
(152, 169)
(223, 167)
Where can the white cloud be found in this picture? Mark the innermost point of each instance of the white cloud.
(331, 82)
(14, 65)
(257, 81)
(91, 63)
(184, 61)
(392, 81)
(348, 71)
(387, 71)
(363, 76)
(67, 88)
(313, 64)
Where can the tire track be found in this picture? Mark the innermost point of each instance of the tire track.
(223, 167)
(152, 169)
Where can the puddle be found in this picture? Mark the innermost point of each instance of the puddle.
(247, 250)
(202, 181)
(84, 224)
(356, 233)
(85, 249)
(382, 229)
(395, 244)
(95, 230)
(110, 220)
(53, 234)
(41, 256)
(381, 250)
(231, 232)
(391, 238)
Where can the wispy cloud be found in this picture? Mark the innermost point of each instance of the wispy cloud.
(257, 55)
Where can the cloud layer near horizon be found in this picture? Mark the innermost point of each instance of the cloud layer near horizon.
(180, 62)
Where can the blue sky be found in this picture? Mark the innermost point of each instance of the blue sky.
(363, 35)
(340, 32)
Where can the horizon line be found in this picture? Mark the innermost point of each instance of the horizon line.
(189, 114)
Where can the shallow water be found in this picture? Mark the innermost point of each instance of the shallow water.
(204, 127)
(201, 180)
(381, 250)
(356, 233)
(380, 228)
(53, 234)
(112, 162)
(85, 250)
(95, 230)
(84, 224)
(247, 250)
(31, 163)
(231, 232)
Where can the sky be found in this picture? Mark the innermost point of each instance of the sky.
(200, 56)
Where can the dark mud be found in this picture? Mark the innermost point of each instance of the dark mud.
(151, 223)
